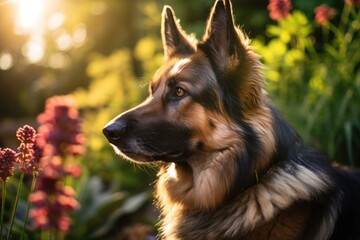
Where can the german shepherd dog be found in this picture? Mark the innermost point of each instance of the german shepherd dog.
(230, 166)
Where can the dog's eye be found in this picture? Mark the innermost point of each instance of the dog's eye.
(179, 92)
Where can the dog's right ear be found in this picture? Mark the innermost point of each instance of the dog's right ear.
(175, 41)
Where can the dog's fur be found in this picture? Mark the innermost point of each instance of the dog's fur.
(231, 167)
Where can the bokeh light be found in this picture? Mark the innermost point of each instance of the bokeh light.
(6, 61)
(55, 20)
(64, 41)
(79, 35)
(34, 49)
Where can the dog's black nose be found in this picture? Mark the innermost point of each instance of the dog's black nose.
(114, 131)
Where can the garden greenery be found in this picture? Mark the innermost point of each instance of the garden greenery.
(313, 73)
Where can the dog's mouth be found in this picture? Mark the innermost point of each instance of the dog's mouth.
(144, 156)
(172, 156)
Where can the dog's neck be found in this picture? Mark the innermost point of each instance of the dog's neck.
(198, 184)
(255, 206)
(211, 179)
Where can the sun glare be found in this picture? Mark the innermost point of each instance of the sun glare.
(30, 15)
(30, 19)
(35, 19)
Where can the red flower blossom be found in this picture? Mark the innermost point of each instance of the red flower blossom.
(29, 153)
(49, 215)
(7, 160)
(279, 9)
(356, 3)
(60, 135)
(26, 134)
(60, 128)
(323, 14)
(73, 170)
(52, 201)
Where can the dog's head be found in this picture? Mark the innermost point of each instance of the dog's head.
(206, 111)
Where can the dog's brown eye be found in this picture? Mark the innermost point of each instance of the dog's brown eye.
(179, 92)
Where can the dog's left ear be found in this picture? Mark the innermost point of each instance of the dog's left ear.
(222, 39)
(237, 67)
(175, 40)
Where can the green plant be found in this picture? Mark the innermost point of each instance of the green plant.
(314, 76)
(102, 207)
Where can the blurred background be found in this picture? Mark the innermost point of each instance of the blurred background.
(104, 52)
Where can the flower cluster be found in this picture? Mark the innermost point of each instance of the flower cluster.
(52, 200)
(7, 161)
(27, 160)
(60, 131)
(60, 136)
(323, 14)
(356, 3)
(279, 9)
(29, 153)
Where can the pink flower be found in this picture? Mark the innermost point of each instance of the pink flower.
(279, 9)
(29, 153)
(323, 14)
(7, 160)
(51, 176)
(73, 170)
(40, 218)
(52, 200)
(60, 135)
(26, 134)
(356, 3)
(60, 128)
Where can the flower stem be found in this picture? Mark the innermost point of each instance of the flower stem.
(15, 204)
(3, 196)
(33, 184)
(45, 235)
(345, 16)
(60, 235)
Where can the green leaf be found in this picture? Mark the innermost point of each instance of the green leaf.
(348, 135)
(130, 205)
(273, 31)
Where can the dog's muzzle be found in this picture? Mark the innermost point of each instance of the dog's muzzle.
(144, 141)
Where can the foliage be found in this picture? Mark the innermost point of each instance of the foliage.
(314, 76)
(113, 89)
(52, 194)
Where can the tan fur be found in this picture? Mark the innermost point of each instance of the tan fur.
(289, 225)
(195, 187)
(255, 207)
(261, 120)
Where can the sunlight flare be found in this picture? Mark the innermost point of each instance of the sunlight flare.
(30, 15)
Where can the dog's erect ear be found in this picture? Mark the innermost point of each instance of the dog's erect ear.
(221, 37)
(237, 67)
(175, 40)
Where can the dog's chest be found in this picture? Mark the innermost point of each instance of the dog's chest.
(290, 224)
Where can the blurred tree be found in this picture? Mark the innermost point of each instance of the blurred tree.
(45, 50)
